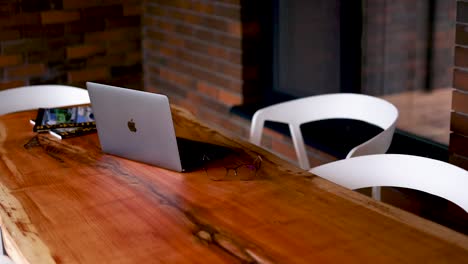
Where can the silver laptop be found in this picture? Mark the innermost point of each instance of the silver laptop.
(138, 125)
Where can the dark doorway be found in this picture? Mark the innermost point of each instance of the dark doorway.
(317, 47)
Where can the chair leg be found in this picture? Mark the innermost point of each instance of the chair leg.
(376, 193)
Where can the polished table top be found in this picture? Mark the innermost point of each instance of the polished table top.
(64, 201)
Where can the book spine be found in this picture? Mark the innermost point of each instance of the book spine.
(41, 128)
(72, 133)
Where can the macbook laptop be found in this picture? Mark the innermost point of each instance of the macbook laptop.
(138, 125)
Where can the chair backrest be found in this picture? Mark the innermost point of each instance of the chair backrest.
(396, 170)
(45, 96)
(361, 107)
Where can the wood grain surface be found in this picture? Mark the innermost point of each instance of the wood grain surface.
(64, 201)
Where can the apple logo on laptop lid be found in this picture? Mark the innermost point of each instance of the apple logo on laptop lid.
(131, 126)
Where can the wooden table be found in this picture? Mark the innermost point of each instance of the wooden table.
(67, 202)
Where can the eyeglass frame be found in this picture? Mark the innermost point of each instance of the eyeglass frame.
(257, 168)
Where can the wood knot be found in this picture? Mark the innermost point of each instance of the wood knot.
(204, 235)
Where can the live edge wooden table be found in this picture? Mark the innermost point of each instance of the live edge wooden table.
(64, 201)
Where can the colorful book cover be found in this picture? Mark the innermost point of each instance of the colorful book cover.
(78, 116)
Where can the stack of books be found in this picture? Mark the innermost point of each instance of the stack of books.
(65, 122)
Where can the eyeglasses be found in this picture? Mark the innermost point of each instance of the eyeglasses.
(246, 171)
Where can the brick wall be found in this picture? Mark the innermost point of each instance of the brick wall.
(395, 45)
(193, 50)
(205, 56)
(459, 117)
(70, 42)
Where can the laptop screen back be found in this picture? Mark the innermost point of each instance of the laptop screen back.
(134, 124)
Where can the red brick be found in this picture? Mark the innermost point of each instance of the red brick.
(275, 135)
(212, 23)
(207, 89)
(184, 4)
(460, 102)
(216, 120)
(55, 16)
(20, 19)
(186, 17)
(110, 2)
(184, 29)
(204, 62)
(132, 10)
(107, 60)
(166, 38)
(7, 8)
(229, 98)
(234, 71)
(205, 35)
(89, 74)
(200, 99)
(154, 35)
(460, 79)
(206, 8)
(10, 60)
(27, 70)
(461, 35)
(235, 57)
(206, 75)
(11, 84)
(234, 86)
(133, 57)
(458, 144)
(102, 12)
(114, 35)
(53, 55)
(43, 31)
(165, 26)
(459, 123)
(175, 78)
(123, 47)
(459, 161)
(85, 26)
(230, 12)
(235, 28)
(151, 70)
(9, 35)
(75, 4)
(154, 11)
(461, 57)
(129, 21)
(218, 52)
(83, 51)
(230, 42)
(232, 2)
(285, 149)
(168, 51)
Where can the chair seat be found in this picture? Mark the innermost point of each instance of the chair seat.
(397, 170)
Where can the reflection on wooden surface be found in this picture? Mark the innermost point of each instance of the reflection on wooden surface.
(67, 202)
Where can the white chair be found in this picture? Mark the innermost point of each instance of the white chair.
(366, 108)
(396, 170)
(5, 260)
(361, 107)
(45, 96)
